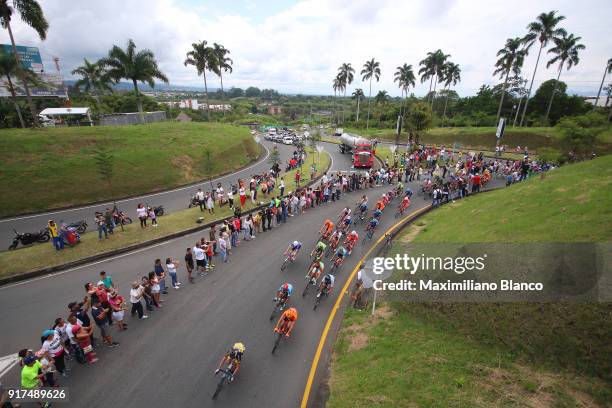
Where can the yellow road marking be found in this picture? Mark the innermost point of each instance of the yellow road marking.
(332, 314)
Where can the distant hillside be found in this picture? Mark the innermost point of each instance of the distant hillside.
(126, 86)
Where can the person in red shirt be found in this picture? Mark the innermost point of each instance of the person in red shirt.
(297, 178)
(476, 183)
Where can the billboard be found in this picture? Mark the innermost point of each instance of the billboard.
(30, 59)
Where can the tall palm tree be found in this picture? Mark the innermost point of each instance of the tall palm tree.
(345, 74)
(518, 86)
(93, 77)
(511, 59)
(404, 76)
(31, 13)
(451, 76)
(381, 98)
(357, 94)
(544, 29)
(337, 85)
(134, 66)
(608, 70)
(431, 68)
(223, 63)
(10, 68)
(203, 58)
(566, 54)
(371, 69)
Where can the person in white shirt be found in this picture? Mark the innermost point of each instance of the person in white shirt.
(200, 258)
(200, 198)
(136, 293)
(172, 266)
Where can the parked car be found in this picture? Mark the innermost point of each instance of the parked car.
(287, 140)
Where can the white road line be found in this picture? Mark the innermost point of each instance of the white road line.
(7, 362)
(191, 186)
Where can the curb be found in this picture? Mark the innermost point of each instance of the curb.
(195, 183)
(83, 261)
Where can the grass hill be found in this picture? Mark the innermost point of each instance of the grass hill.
(483, 355)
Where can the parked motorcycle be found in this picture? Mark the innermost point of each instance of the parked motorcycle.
(159, 211)
(193, 202)
(80, 226)
(28, 238)
(120, 217)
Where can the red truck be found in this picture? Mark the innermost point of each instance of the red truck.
(363, 153)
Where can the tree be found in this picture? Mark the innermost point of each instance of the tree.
(431, 67)
(511, 59)
(404, 76)
(381, 98)
(252, 92)
(223, 63)
(203, 58)
(420, 119)
(31, 13)
(451, 74)
(357, 94)
(544, 29)
(236, 92)
(105, 165)
(274, 158)
(608, 70)
(371, 69)
(10, 67)
(135, 66)
(345, 75)
(566, 54)
(93, 78)
(577, 139)
(337, 85)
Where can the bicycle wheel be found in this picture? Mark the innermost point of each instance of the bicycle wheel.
(277, 342)
(284, 265)
(305, 291)
(273, 312)
(219, 387)
(317, 301)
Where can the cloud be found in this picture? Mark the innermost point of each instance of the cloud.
(298, 48)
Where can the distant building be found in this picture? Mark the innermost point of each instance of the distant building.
(219, 108)
(275, 110)
(183, 117)
(603, 100)
(189, 104)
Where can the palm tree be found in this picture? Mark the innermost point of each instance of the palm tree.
(31, 13)
(357, 94)
(451, 75)
(566, 54)
(544, 29)
(518, 86)
(381, 98)
(431, 67)
(371, 69)
(337, 85)
(224, 63)
(511, 58)
(345, 74)
(608, 90)
(203, 58)
(134, 66)
(9, 67)
(608, 70)
(93, 77)
(404, 76)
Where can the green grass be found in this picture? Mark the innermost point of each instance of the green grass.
(44, 255)
(50, 168)
(482, 355)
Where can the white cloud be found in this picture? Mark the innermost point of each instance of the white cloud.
(299, 48)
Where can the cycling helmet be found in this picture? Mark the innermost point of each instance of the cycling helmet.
(296, 243)
(285, 287)
(327, 279)
(238, 347)
(291, 314)
(353, 233)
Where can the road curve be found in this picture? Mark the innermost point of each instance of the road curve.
(169, 359)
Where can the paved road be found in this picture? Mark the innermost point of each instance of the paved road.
(173, 200)
(168, 359)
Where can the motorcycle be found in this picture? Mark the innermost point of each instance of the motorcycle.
(120, 217)
(79, 226)
(194, 202)
(159, 211)
(28, 238)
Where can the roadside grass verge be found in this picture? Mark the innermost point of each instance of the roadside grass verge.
(44, 255)
(489, 354)
(55, 167)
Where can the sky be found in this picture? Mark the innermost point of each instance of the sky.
(296, 46)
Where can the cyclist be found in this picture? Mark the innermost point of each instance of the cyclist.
(350, 241)
(345, 213)
(283, 294)
(293, 249)
(327, 229)
(372, 225)
(404, 204)
(335, 238)
(287, 321)
(363, 202)
(400, 187)
(385, 200)
(409, 192)
(327, 284)
(319, 250)
(377, 213)
(315, 270)
(341, 253)
(346, 223)
(235, 355)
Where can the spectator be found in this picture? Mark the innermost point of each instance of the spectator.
(83, 339)
(101, 317)
(161, 275)
(136, 293)
(210, 203)
(52, 343)
(152, 289)
(101, 224)
(200, 199)
(141, 212)
(118, 306)
(109, 222)
(189, 265)
(57, 241)
(107, 280)
(153, 217)
(171, 266)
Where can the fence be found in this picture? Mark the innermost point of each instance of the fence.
(132, 118)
